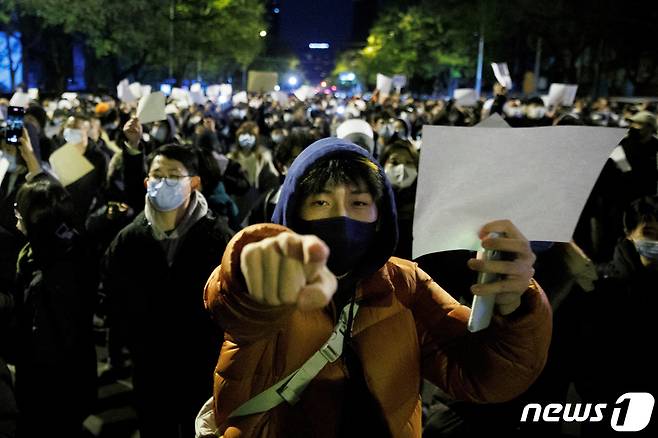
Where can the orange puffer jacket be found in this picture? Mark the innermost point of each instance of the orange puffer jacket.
(407, 328)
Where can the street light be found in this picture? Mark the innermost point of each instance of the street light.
(263, 33)
(292, 81)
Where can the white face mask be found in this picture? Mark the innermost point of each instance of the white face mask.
(277, 138)
(159, 133)
(513, 111)
(647, 248)
(247, 141)
(536, 112)
(401, 176)
(167, 194)
(73, 136)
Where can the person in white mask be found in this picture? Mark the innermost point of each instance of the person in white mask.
(87, 190)
(153, 272)
(256, 161)
(620, 313)
(400, 161)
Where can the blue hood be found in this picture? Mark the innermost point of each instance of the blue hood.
(285, 212)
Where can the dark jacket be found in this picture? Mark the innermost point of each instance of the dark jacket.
(616, 353)
(8, 409)
(407, 328)
(54, 304)
(643, 159)
(158, 311)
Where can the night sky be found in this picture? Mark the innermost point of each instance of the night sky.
(328, 21)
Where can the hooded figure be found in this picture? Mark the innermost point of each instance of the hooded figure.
(278, 294)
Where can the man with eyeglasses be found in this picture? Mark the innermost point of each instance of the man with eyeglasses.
(154, 272)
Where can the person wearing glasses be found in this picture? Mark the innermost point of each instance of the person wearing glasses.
(153, 275)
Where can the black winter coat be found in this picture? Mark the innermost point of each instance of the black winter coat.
(158, 311)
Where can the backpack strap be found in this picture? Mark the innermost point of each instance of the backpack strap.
(290, 388)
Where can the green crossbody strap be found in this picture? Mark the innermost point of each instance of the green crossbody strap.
(290, 388)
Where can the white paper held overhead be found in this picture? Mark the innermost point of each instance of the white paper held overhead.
(501, 72)
(384, 84)
(124, 93)
(151, 108)
(69, 164)
(465, 97)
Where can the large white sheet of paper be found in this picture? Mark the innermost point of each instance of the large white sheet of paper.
(136, 89)
(399, 82)
(178, 94)
(493, 121)
(465, 97)
(262, 81)
(280, 97)
(124, 93)
(20, 99)
(70, 96)
(304, 92)
(539, 178)
(198, 98)
(151, 108)
(562, 94)
(69, 164)
(239, 98)
(384, 84)
(213, 90)
(501, 71)
(225, 90)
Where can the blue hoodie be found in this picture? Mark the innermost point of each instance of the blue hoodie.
(286, 209)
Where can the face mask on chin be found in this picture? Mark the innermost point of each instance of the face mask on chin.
(348, 240)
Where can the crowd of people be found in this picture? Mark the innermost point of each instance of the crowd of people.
(190, 240)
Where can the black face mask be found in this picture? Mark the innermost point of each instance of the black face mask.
(348, 240)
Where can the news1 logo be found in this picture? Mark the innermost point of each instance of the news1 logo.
(631, 412)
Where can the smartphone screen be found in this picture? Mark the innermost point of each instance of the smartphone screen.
(14, 128)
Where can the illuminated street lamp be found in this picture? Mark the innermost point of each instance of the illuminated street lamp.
(263, 33)
(292, 81)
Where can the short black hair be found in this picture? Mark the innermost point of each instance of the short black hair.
(44, 205)
(640, 211)
(294, 143)
(187, 155)
(343, 168)
(397, 146)
(38, 113)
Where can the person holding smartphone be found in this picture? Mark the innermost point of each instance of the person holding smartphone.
(18, 163)
(281, 287)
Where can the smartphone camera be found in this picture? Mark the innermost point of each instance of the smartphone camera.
(14, 128)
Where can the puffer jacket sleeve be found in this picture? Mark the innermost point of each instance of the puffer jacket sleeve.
(243, 319)
(494, 365)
